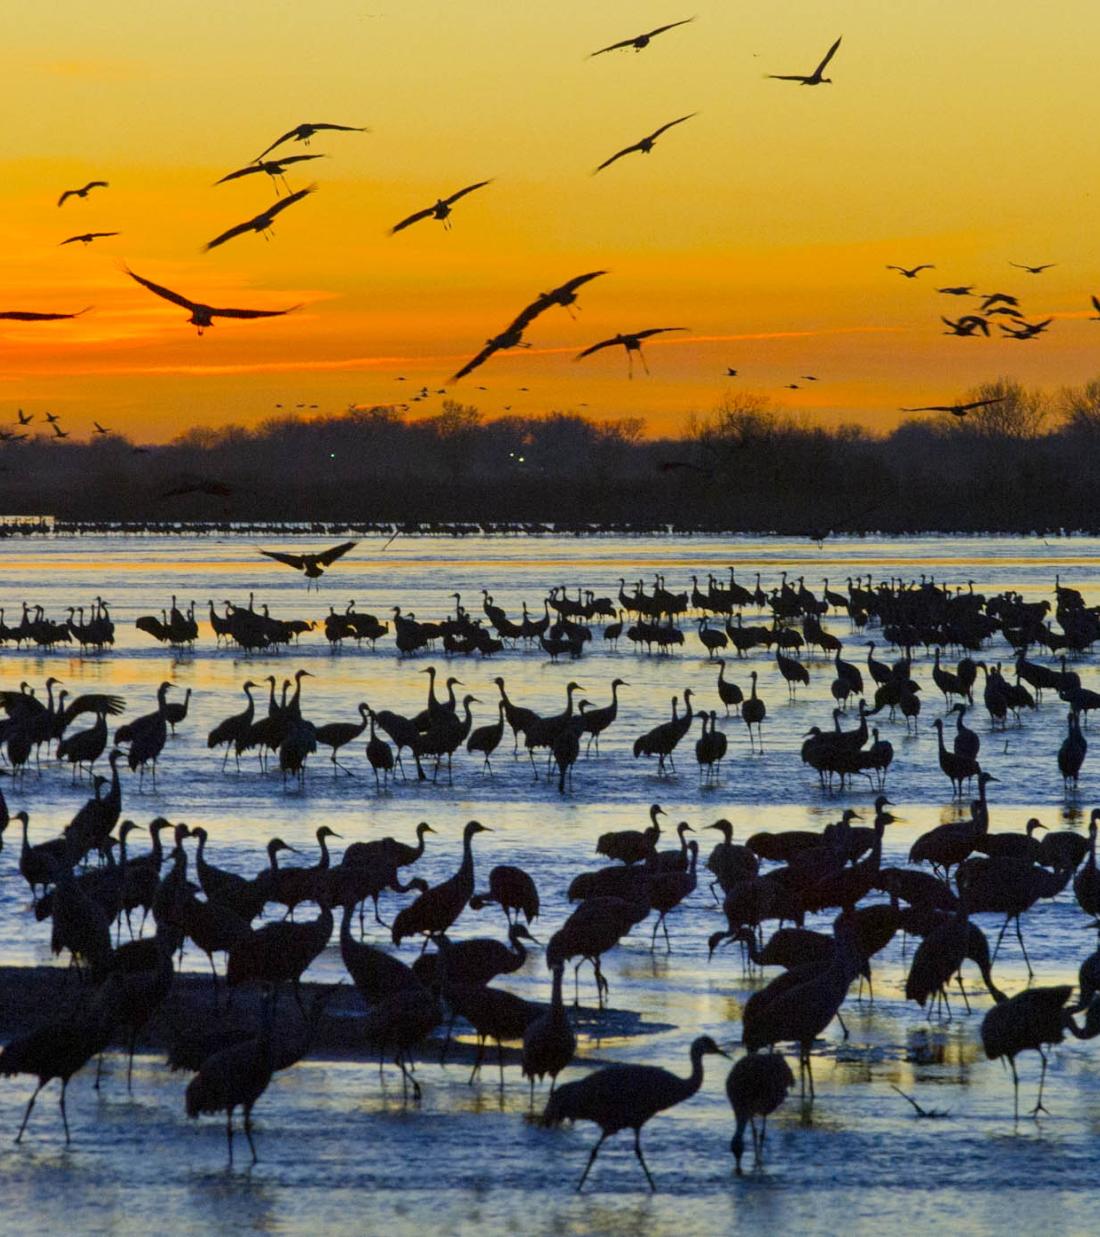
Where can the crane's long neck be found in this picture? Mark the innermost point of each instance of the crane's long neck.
(322, 841)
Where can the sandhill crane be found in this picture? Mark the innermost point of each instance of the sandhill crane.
(1071, 755)
(83, 192)
(279, 953)
(379, 755)
(336, 735)
(596, 721)
(86, 238)
(234, 731)
(513, 890)
(57, 1049)
(625, 1097)
(645, 144)
(1086, 883)
(810, 79)
(639, 42)
(304, 132)
(548, 1041)
(146, 735)
(275, 168)
(911, 272)
(753, 712)
(261, 223)
(756, 1086)
(596, 926)
(438, 907)
(441, 210)
(202, 315)
(632, 845)
(234, 1078)
(793, 672)
(957, 410)
(729, 693)
(486, 739)
(1035, 1018)
(312, 565)
(632, 342)
(710, 747)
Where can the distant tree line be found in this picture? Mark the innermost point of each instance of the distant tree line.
(1027, 462)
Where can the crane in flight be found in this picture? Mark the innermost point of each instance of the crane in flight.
(86, 238)
(911, 272)
(632, 342)
(641, 41)
(28, 315)
(957, 410)
(646, 144)
(1033, 270)
(302, 133)
(100, 429)
(441, 210)
(1096, 305)
(275, 168)
(202, 316)
(1025, 330)
(966, 325)
(312, 565)
(25, 418)
(58, 432)
(81, 193)
(564, 295)
(814, 78)
(262, 223)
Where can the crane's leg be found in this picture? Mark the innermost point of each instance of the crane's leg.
(130, 1061)
(1015, 1090)
(962, 989)
(1020, 937)
(64, 1114)
(641, 357)
(500, 1062)
(27, 1114)
(641, 1159)
(248, 1132)
(842, 1025)
(591, 1160)
(1042, 1079)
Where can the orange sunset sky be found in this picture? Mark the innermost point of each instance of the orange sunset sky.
(958, 134)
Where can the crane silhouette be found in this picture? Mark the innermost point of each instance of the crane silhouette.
(312, 565)
(813, 79)
(756, 1086)
(81, 193)
(641, 41)
(304, 132)
(1033, 270)
(263, 222)
(911, 272)
(441, 210)
(29, 315)
(202, 315)
(957, 410)
(625, 1097)
(645, 144)
(275, 168)
(86, 238)
(632, 342)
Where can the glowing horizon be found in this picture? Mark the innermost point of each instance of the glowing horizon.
(764, 224)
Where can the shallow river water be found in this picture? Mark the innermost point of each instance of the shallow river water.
(338, 1150)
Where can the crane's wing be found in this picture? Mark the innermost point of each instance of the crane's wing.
(158, 290)
(278, 142)
(678, 121)
(239, 229)
(556, 296)
(69, 193)
(604, 343)
(248, 171)
(1096, 303)
(411, 219)
(93, 702)
(618, 155)
(930, 408)
(96, 184)
(340, 128)
(69, 240)
(474, 362)
(283, 203)
(338, 551)
(657, 330)
(27, 315)
(983, 403)
(828, 56)
(469, 189)
(612, 47)
(249, 313)
(786, 77)
(291, 560)
(652, 34)
(578, 281)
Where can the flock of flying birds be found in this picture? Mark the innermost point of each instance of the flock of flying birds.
(1004, 307)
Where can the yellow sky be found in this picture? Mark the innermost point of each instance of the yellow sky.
(956, 134)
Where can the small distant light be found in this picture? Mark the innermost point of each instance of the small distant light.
(522, 458)
(332, 455)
